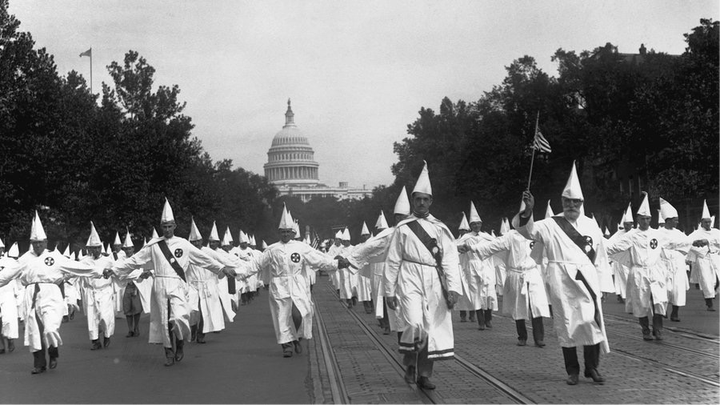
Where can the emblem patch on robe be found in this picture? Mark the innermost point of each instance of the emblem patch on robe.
(49, 261)
(295, 257)
(653, 243)
(178, 252)
(588, 244)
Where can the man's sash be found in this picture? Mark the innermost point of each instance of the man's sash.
(171, 259)
(585, 243)
(431, 245)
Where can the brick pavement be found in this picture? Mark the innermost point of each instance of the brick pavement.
(536, 372)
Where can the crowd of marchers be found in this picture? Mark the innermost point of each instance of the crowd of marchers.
(411, 276)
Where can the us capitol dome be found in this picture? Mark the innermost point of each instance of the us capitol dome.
(292, 169)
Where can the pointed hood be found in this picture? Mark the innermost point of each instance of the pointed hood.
(14, 251)
(128, 240)
(2, 245)
(244, 238)
(167, 213)
(194, 231)
(264, 245)
(492, 233)
(338, 234)
(628, 217)
(214, 233)
(296, 229)
(364, 230)
(252, 240)
(94, 239)
(548, 211)
(606, 233)
(572, 187)
(286, 221)
(66, 252)
(345, 234)
(705, 211)
(464, 226)
(37, 233)
(644, 209)
(504, 226)
(474, 216)
(422, 185)
(117, 239)
(155, 234)
(661, 220)
(402, 204)
(227, 239)
(381, 222)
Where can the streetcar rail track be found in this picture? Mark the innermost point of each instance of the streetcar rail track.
(431, 396)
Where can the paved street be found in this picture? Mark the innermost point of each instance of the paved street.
(350, 360)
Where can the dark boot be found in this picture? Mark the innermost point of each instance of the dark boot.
(169, 357)
(179, 354)
(657, 326)
(463, 316)
(480, 319)
(674, 317)
(488, 318)
(287, 349)
(521, 331)
(471, 318)
(193, 333)
(709, 303)
(538, 331)
(53, 353)
(39, 362)
(645, 325)
(95, 344)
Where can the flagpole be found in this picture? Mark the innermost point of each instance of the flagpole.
(91, 81)
(537, 119)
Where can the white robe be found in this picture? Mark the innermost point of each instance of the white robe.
(205, 299)
(706, 260)
(8, 303)
(169, 305)
(620, 271)
(373, 253)
(347, 282)
(43, 302)
(524, 287)
(411, 276)
(646, 288)
(363, 279)
(675, 246)
(479, 276)
(574, 308)
(99, 300)
(282, 267)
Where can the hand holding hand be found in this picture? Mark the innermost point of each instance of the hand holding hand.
(230, 272)
(391, 302)
(145, 274)
(107, 273)
(463, 249)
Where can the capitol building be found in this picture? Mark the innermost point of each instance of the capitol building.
(291, 167)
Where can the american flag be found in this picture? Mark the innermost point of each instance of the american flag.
(540, 143)
(315, 243)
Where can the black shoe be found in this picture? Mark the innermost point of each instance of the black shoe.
(106, 342)
(129, 334)
(201, 339)
(287, 349)
(488, 325)
(298, 347)
(595, 375)
(410, 374)
(136, 332)
(674, 319)
(53, 363)
(658, 334)
(169, 357)
(522, 342)
(711, 309)
(37, 370)
(96, 345)
(424, 382)
(10, 346)
(540, 343)
(463, 320)
(386, 330)
(179, 354)
(65, 319)
(572, 379)
(647, 337)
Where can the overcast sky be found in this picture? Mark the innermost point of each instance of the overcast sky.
(357, 72)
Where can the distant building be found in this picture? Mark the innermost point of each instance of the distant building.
(291, 167)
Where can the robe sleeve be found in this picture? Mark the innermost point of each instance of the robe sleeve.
(487, 248)
(142, 259)
(10, 272)
(318, 260)
(78, 269)
(373, 248)
(393, 262)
